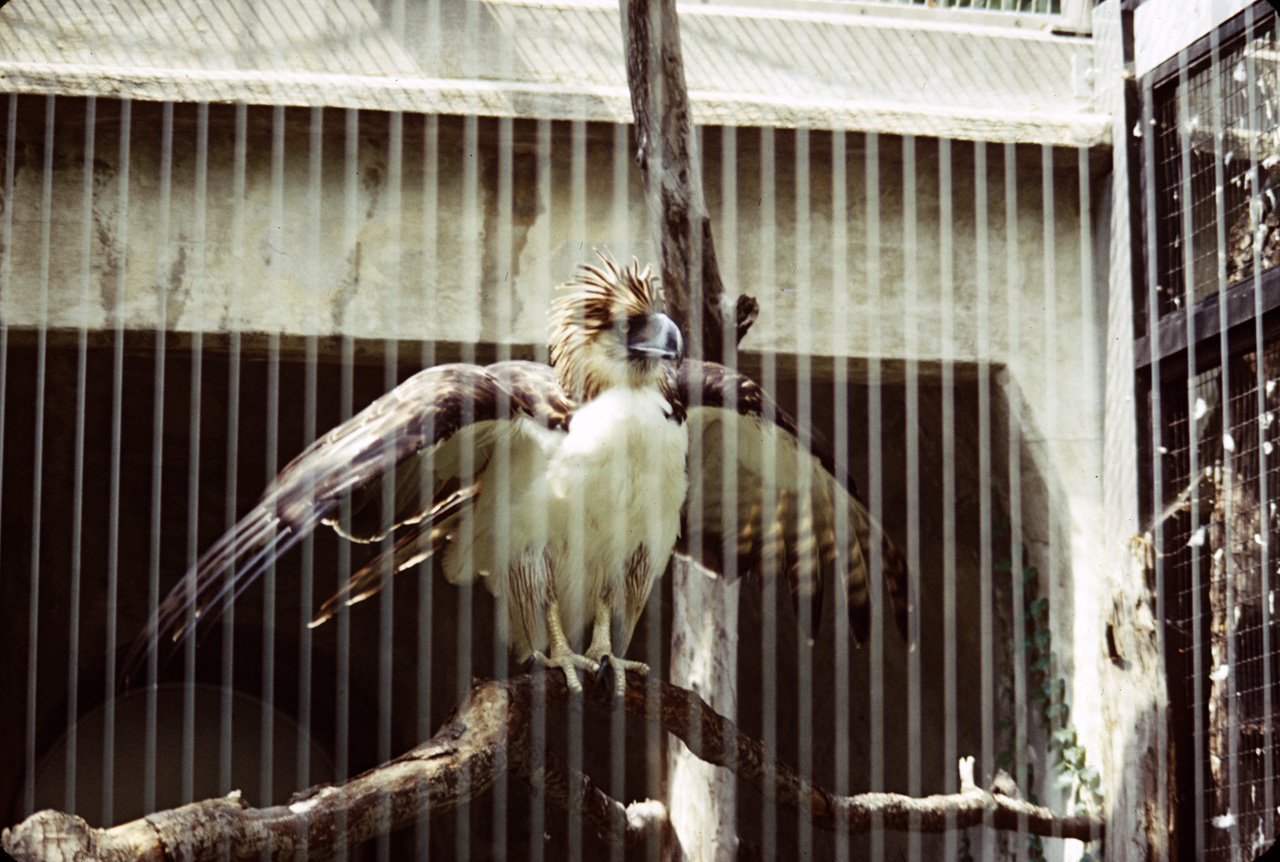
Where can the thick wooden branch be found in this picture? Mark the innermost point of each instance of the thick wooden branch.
(488, 733)
(457, 764)
(666, 150)
(568, 788)
(716, 740)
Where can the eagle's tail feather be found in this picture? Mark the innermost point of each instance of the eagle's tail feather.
(257, 540)
(424, 539)
(414, 548)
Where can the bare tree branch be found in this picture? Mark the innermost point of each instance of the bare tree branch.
(570, 789)
(488, 733)
(666, 149)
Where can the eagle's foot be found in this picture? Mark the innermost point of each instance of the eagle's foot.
(570, 663)
(612, 673)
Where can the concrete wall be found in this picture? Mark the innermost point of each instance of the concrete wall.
(487, 216)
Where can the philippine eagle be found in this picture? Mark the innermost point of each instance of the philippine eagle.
(565, 488)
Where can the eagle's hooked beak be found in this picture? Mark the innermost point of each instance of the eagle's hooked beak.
(656, 337)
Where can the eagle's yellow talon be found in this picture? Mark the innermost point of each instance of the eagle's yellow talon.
(570, 663)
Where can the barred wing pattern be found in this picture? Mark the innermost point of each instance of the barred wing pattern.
(431, 437)
(793, 513)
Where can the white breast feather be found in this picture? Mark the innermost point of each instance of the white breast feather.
(589, 498)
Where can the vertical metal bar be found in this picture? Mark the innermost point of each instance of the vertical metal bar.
(770, 564)
(728, 253)
(802, 333)
(505, 319)
(1157, 395)
(1013, 329)
(840, 431)
(6, 283)
(875, 485)
(117, 410)
(350, 222)
(620, 217)
(1156, 429)
(77, 498)
(911, 277)
(986, 599)
(311, 362)
(501, 459)
(390, 373)
(578, 221)
(947, 303)
(538, 724)
(730, 484)
(266, 732)
(472, 222)
(1259, 348)
(620, 242)
(235, 314)
(37, 458)
(157, 448)
(430, 271)
(1184, 132)
(193, 433)
(1050, 342)
(1228, 482)
(693, 274)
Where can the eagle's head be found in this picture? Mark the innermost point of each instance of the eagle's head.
(608, 330)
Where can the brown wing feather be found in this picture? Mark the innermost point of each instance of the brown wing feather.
(352, 461)
(793, 511)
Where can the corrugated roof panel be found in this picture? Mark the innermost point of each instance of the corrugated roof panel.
(744, 65)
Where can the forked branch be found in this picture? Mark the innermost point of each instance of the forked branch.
(488, 733)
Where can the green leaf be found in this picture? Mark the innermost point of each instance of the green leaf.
(1005, 758)
(1057, 709)
(1029, 574)
(1040, 693)
(1039, 607)
(1004, 566)
(1064, 736)
(1043, 637)
(1040, 665)
(1064, 780)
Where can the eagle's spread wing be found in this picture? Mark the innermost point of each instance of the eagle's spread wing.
(431, 437)
(792, 513)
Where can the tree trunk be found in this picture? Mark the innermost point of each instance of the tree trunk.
(704, 659)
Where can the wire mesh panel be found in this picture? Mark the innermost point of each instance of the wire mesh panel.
(1208, 217)
(1237, 97)
(1221, 598)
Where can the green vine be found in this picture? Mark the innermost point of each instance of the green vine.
(1048, 688)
